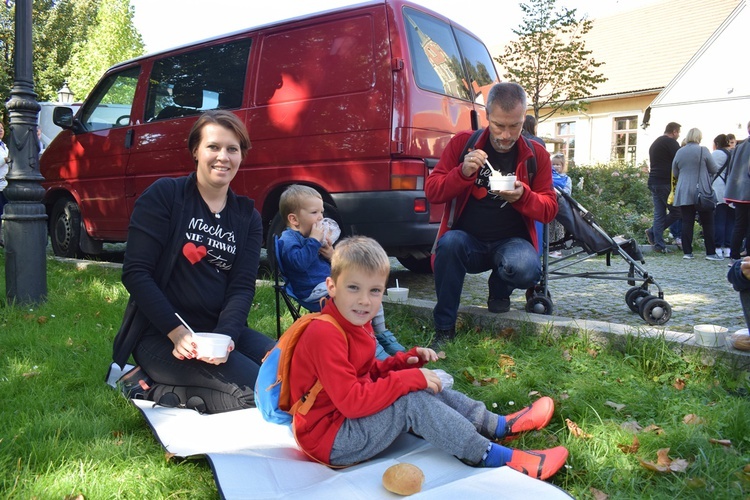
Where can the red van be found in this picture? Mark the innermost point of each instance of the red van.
(357, 102)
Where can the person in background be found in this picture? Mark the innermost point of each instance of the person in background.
(694, 164)
(738, 193)
(561, 181)
(529, 129)
(4, 168)
(732, 140)
(193, 250)
(482, 230)
(39, 140)
(661, 153)
(366, 404)
(724, 213)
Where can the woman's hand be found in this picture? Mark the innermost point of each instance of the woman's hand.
(423, 353)
(434, 384)
(184, 347)
(219, 361)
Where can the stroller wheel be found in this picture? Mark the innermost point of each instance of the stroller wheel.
(655, 311)
(539, 304)
(536, 290)
(634, 297)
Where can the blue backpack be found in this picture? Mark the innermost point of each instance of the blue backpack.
(272, 389)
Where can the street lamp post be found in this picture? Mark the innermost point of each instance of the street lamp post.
(24, 217)
(65, 95)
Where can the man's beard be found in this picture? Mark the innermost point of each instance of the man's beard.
(499, 147)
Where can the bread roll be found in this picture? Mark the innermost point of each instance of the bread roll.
(403, 479)
(740, 341)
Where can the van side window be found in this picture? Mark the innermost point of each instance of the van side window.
(208, 78)
(481, 68)
(434, 55)
(110, 103)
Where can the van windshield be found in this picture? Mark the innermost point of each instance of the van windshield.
(110, 103)
(441, 58)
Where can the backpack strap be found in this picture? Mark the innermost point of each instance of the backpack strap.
(724, 168)
(470, 143)
(303, 405)
(530, 162)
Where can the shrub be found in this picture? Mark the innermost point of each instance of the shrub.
(617, 194)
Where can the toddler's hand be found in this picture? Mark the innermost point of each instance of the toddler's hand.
(326, 251)
(434, 384)
(745, 267)
(317, 231)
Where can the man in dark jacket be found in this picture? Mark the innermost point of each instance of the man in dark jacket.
(661, 153)
(482, 229)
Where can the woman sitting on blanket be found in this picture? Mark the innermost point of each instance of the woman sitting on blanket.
(193, 250)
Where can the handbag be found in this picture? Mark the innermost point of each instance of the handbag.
(704, 201)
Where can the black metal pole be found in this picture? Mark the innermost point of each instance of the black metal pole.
(24, 217)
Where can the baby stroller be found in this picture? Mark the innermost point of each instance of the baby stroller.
(587, 239)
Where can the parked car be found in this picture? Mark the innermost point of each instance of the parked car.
(357, 102)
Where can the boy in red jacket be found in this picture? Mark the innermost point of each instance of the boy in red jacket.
(366, 404)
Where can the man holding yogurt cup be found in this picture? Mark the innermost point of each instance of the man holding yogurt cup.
(483, 229)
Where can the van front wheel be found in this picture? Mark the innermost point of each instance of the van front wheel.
(65, 228)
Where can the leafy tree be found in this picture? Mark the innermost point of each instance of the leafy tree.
(112, 39)
(549, 59)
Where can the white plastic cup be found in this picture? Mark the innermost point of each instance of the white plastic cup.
(398, 294)
(211, 345)
(710, 335)
(502, 182)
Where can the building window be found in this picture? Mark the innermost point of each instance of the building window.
(625, 136)
(566, 132)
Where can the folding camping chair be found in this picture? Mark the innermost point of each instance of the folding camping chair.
(284, 291)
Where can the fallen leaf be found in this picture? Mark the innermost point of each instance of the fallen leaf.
(723, 442)
(655, 428)
(693, 419)
(29, 317)
(616, 406)
(506, 333)
(593, 353)
(41, 320)
(746, 469)
(441, 355)
(70, 341)
(30, 374)
(664, 463)
(168, 456)
(74, 497)
(506, 361)
(679, 384)
(696, 483)
(575, 430)
(534, 393)
(563, 396)
(631, 425)
(629, 450)
(598, 494)
(566, 355)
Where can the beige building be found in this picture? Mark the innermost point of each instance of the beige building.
(670, 61)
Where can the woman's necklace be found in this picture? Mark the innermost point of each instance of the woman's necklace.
(217, 213)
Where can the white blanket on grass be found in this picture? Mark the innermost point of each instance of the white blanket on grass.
(252, 458)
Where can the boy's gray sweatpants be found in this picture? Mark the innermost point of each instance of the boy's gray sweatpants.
(448, 420)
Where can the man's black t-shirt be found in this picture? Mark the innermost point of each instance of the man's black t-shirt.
(486, 216)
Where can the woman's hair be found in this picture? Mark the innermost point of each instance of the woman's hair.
(694, 135)
(292, 198)
(529, 124)
(560, 159)
(225, 119)
(362, 253)
(721, 141)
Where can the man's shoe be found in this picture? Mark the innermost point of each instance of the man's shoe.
(134, 384)
(389, 342)
(714, 257)
(688, 256)
(664, 250)
(650, 236)
(539, 464)
(498, 305)
(442, 336)
(531, 418)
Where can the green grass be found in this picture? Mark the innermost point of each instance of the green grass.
(63, 432)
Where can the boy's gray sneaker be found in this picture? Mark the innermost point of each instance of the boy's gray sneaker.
(714, 257)
(389, 343)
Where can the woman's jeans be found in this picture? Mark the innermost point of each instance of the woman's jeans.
(514, 263)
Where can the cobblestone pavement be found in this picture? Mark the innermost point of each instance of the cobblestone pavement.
(697, 290)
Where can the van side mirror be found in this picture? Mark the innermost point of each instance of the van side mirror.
(62, 117)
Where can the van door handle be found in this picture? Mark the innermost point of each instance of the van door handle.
(128, 139)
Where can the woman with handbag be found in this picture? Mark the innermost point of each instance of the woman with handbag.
(693, 167)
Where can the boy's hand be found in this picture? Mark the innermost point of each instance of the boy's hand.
(434, 384)
(318, 232)
(425, 354)
(745, 267)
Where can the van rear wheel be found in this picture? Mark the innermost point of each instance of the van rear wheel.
(65, 229)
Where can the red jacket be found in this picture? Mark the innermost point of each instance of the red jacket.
(447, 184)
(355, 383)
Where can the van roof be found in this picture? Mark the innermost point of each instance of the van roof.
(396, 4)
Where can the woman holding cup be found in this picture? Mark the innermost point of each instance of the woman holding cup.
(193, 252)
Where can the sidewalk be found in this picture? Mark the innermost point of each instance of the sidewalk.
(697, 290)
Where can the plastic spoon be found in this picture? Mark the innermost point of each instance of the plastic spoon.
(184, 323)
